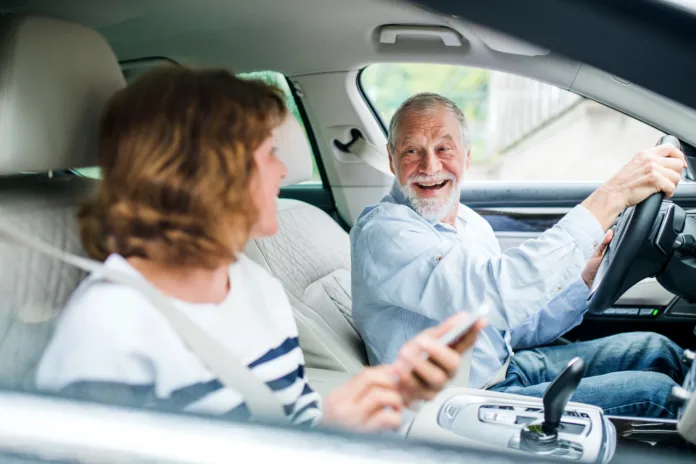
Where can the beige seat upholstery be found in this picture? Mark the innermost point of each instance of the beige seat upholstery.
(54, 80)
(311, 256)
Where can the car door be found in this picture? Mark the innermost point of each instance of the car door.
(645, 307)
(537, 152)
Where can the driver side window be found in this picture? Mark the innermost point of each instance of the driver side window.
(521, 129)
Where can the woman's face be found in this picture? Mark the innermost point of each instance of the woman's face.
(265, 187)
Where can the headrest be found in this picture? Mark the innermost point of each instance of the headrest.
(294, 151)
(55, 77)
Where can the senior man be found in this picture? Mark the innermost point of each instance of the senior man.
(419, 256)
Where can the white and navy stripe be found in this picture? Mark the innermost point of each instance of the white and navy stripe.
(112, 345)
(283, 375)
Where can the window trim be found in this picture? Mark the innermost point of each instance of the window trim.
(311, 137)
(367, 100)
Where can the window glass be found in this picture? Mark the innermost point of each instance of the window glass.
(281, 82)
(271, 77)
(521, 129)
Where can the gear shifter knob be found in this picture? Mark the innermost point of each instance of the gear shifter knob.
(542, 437)
(559, 392)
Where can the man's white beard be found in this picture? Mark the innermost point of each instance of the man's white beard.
(431, 209)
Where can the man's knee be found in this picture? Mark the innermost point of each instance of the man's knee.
(649, 391)
(650, 341)
(654, 383)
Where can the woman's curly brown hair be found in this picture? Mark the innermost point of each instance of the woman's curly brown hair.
(176, 154)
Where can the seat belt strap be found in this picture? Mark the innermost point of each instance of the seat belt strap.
(229, 370)
(500, 375)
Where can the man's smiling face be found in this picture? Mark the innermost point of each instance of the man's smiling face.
(429, 159)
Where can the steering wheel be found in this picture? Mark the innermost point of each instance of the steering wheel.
(631, 231)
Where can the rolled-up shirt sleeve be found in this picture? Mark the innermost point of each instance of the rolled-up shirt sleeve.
(411, 267)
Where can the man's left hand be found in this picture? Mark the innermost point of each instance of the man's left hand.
(421, 377)
(592, 266)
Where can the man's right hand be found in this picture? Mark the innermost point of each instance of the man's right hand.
(657, 169)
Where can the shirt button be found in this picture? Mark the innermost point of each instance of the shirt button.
(594, 245)
(559, 288)
(438, 258)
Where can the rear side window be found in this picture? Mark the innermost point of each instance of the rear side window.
(521, 129)
(281, 82)
(271, 77)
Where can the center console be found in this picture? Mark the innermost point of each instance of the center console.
(550, 426)
(544, 427)
(583, 435)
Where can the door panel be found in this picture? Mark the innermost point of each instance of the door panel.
(519, 212)
(508, 196)
(513, 239)
(648, 293)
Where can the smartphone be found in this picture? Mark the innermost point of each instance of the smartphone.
(456, 333)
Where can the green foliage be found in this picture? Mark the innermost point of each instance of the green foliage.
(387, 85)
(278, 80)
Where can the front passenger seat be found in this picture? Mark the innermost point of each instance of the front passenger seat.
(55, 77)
(310, 255)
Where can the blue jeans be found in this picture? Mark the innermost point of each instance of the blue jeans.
(629, 374)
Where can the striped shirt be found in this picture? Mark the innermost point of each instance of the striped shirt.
(111, 344)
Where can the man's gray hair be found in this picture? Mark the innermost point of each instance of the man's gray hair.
(425, 102)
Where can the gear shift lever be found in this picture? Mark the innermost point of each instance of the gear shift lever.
(559, 392)
(543, 436)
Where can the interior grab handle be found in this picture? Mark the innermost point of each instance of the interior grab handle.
(449, 37)
(365, 151)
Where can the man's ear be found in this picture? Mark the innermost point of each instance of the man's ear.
(391, 160)
(468, 158)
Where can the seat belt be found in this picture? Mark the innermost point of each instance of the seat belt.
(500, 375)
(229, 370)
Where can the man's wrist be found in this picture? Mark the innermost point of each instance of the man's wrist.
(588, 283)
(605, 205)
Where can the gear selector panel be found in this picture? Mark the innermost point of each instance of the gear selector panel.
(583, 434)
(577, 433)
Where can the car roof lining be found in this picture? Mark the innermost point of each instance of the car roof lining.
(336, 36)
(264, 34)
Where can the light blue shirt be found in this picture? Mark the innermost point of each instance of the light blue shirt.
(409, 274)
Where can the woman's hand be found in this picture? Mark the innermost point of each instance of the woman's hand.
(373, 399)
(425, 365)
(370, 401)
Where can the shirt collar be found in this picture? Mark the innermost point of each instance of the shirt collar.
(397, 194)
(398, 197)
